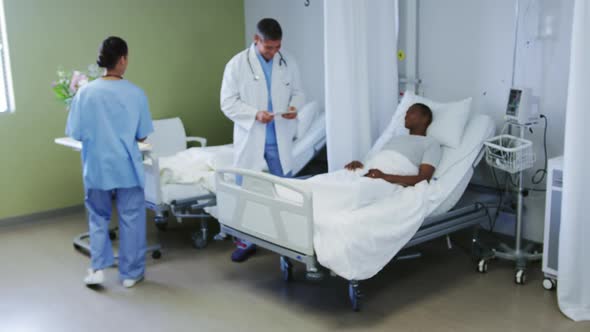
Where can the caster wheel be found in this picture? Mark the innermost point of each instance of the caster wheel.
(482, 266)
(112, 235)
(314, 276)
(199, 241)
(520, 277)
(286, 269)
(549, 284)
(162, 226)
(156, 254)
(354, 294)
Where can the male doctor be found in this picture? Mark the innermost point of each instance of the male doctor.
(261, 94)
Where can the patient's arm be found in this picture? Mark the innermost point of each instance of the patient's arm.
(425, 173)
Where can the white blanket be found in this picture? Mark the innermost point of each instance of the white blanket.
(195, 165)
(360, 224)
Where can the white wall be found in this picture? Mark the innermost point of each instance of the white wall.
(465, 49)
(303, 36)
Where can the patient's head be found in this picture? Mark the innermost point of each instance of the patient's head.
(418, 117)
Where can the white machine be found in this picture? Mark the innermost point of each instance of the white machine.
(514, 155)
(552, 221)
(519, 108)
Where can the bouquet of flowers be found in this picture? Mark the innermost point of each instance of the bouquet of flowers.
(68, 83)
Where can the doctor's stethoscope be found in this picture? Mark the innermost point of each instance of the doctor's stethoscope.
(256, 77)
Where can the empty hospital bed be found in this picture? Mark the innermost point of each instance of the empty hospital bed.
(198, 200)
(258, 212)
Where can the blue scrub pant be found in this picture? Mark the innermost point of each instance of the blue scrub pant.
(132, 234)
(271, 155)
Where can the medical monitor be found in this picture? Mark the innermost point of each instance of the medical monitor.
(519, 108)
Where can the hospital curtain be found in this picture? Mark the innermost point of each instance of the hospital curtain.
(361, 77)
(573, 287)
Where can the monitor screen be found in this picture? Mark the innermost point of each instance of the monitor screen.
(513, 102)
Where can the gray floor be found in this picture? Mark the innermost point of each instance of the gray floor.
(190, 290)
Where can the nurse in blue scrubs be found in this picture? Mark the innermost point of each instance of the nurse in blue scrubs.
(110, 115)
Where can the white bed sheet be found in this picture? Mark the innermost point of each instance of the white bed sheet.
(358, 243)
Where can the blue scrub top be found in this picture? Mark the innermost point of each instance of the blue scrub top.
(271, 134)
(109, 116)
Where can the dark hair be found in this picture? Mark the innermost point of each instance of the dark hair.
(425, 111)
(269, 29)
(110, 51)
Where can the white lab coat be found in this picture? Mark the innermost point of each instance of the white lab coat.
(242, 96)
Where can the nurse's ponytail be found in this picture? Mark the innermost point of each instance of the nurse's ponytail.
(111, 50)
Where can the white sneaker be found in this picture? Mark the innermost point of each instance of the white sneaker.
(128, 283)
(94, 277)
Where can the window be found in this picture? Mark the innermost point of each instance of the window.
(6, 89)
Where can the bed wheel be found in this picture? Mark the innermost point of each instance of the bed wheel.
(355, 295)
(482, 266)
(286, 269)
(112, 235)
(520, 277)
(199, 240)
(549, 284)
(156, 254)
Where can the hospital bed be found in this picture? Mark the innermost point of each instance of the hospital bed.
(198, 201)
(258, 212)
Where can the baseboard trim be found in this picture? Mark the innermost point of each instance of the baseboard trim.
(41, 217)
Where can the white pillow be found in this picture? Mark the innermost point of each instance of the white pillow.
(448, 119)
(448, 122)
(305, 118)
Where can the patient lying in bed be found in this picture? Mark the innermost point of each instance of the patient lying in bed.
(422, 151)
(404, 161)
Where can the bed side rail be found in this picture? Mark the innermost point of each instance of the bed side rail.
(266, 207)
(152, 190)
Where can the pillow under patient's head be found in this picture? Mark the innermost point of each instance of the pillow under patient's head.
(448, 119)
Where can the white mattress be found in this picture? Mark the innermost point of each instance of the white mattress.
(171, 192)
(304, 150)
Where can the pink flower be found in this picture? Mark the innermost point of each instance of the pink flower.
(77, 77)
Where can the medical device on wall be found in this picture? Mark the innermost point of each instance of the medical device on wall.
(519, 108)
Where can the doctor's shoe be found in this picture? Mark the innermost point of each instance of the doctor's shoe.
(128, 283)
(94, 277)
(241, 254)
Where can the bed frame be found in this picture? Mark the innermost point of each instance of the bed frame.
(255, 211)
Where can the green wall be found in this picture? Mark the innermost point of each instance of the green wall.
(178, 49)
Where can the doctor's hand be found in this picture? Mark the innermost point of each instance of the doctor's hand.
(375, 174)
(353, 165)
(264, 116)
(292, 113)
